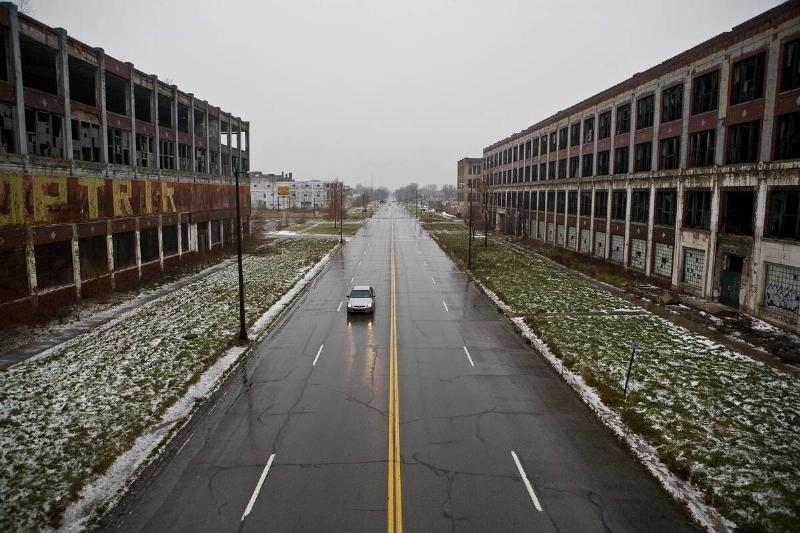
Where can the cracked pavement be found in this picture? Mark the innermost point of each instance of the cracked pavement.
(327, 424)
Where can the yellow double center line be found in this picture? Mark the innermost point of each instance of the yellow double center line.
(395, 494)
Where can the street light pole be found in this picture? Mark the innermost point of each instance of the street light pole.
(242, 328)
(341, 211)
(469, 256)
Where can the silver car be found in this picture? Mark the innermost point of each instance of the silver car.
(361, 299)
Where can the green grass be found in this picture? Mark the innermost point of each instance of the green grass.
(444, 226)
(67, 417)
(727, 423)
(328, 228)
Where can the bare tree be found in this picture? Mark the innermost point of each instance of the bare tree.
(25, 7)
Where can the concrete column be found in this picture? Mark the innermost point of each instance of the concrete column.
(110, 252)
(611, 149)
(676, 256)
(651, 216)
(722, 109)
(30, 261)
(191, 132)
(138, 250)
(591, 224)
(157, 135)
(208, 142)
(63, 89)
(229, 141)
(594, 142)
(656, 122)
(76, 261)
(19, 90)
(132, 114)
(632, 140)
(711, 253)
(755, 294)
(181, 244)
(161, 243)
(770, 90)
(687, 91)
(608, 220)
(100, 84)
(239, 142)
(174, 112)
(625, 244)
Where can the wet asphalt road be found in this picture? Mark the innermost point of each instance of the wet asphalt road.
(325, 425)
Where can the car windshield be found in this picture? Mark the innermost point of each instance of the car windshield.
(360, 293)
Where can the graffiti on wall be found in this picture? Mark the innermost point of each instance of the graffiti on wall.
(60, 199)
(782, 297)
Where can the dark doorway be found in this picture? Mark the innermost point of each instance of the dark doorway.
(731, 280)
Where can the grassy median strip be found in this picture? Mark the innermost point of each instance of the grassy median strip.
(727, 423)
(66, 417)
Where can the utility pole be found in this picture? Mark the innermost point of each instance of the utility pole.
(341, 210)
(469, 253)
(242, 328)
(486, 207)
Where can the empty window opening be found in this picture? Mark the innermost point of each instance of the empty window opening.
(553, 141)
(748, 79)
(588, 160)
(572, 203)
(183, 118)
(601, 204)
(640, 206)
(603, 163)
(666, 205)
(184, 236)
(169, 239)
(562, 138)
(167, 154)
(82, 82)
(561, 201)
(144, 151)
(116, 94)
(621, 164)
(142, 98)
(216, 232)
(783, 214)
(643, 153)
(588, 130)
(618, 205)
(13, 274)
(44, 133)
(200, 160)
(669, 153)
(93, 253)
(574, 164)
(790, 72)
(148, 244)
(85, 141)
(38, 66)
(604, 130)
(164, 111)
(697, 208)
(53, 264)
(644, 112)
(562, 168)
(743, 142)
(575, 135)
(701, 148)
(623, 119)
(3, 54)
(787, 136)
(124, 250)
(704, 92)
(213, 162)
(672, 103)
(223, 134)
(199, 123)
(119, 147)
(8, 128)
(184, 157)
(738, 212)
(202, 237)
(586, 203)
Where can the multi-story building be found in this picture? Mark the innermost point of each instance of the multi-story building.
(469, 168)
(281, 191)
(687, 173)
(107, 174)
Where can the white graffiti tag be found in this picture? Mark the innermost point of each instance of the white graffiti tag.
(782, 297)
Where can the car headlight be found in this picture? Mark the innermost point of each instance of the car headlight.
(369, 304)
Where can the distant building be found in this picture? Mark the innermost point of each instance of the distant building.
(281, 191)
(469, 169)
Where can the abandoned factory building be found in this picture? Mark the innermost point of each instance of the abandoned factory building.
(107, 174)
(687, 173)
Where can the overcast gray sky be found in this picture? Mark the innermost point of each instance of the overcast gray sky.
(400, 90)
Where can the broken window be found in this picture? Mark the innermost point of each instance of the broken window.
(169, 239)
(223, 139)
(148, 244)
(184, 236)
(38, 66)
(93, 253)
(213, 162)
(124, 250)
(216, 232)
(666, 205)
(13, 274)
(200, 160)
(119, 147)
(601, 204)
(643, 154)
(44, 133)
(551, 201)
(621, 164)
(184, 157)
(704, 92)
(8, 128)
(82, 82)
(623, 119)
(743, 142)
(572, 203)
(575, 135)
(562, 168)
(669, 153)
(542, 171)
(164, 111)
(561, 201)
(543, 144)
(199, 123)
(787, 136)
(202, 237)
(783, 214)
(737, 218)
(166, 154)
(226, 165)
(116, 94)
(534, 147)
(640, 206)
(553, 141)
(701, 148)
(142, 97)
(563, 138)
(514, 155)
(603, 163)
(604, 125)
(790, 73)
(551, 170)
(3, 54)
(618, 205)
(672, 103)
(574, 164)
(588, 130)
(697, 209)
(588, 161)
(586, 203)
(53, 264)
(644, 112)
(85, 141)
(183, 118)
(748, 79)
(144, 151)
